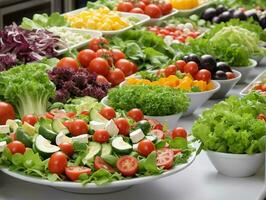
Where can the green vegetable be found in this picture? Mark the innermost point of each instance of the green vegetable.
(231, 126)
(144, 125)
(249, 4)
(152, 100)
(28, 88)
(111, 4)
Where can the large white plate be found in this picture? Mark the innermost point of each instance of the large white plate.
(92, 188)
(142, 20)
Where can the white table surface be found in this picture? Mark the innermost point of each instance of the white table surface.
(200, 181)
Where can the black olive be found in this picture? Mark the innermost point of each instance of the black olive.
(252, 13)
(225, 16)
(220, 9)
(193, 57)
(208, 14)
(220, 75)
(263, 21)
(208, 62)
(216, 20)
(239, 15)
(222, 66)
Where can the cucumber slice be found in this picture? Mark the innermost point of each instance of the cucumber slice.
(106, 149)
(23, 137)
(58, 126)
(12, 124)
(120, 146)
(29, 129)
(84, 138)
(62, 138)
(110, 159)
(96, 116)
(48, 134)
(44, 147)
(94, 149)
(4, 129)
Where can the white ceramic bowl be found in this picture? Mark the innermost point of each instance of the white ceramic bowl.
(245, 71)
(236, 165)
(226, 85)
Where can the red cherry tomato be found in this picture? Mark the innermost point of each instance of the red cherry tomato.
(181, 39)
(230, 75)
(101, 80)
(30, 119)
(127, 165)
(134, 69)
(49, 115)
(203, 75)
(101, 136)
(99, 66)
(116, 76)
(170, 70)
(6, 112)
(153, 11)
(179, 132)
(67, 148)
(73, 172)
(261, 117)
(146, 2)
(137, 10)
(123, 126)
(117, 55)
(125, 7)
(16, 147)
(158, 133)
(191, 68)
(108, 113)
(125, 66)
(69, 63)
(136, 114)
(57, 163)
(77, 127)
(166, 8)
(104, 53)
(145, 147)
(165, 158)
(99, 163)
(140, 5)
(71, 114)
(180, 64)
(98, 43)
(258, 86)
(85, 57)
(263, 88)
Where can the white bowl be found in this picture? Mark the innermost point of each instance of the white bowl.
(236, 165)
(245, 71)
(226, 85)
(197, 99)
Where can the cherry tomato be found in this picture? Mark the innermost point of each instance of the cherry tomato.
(230, 75)
(99, 163)
(86, 113)
(85, 57)
(57, 163)
(153, 11)
(261, 117)
(165, 158)
(71, 114)
(181, 39)
(170, 70)
(108, 113)
(101, 80)
(104, 53)
(203, 75)
(116, 76)
(137, 10)
(136, 114)
(67, 148)
(69, 63)
(77, 127)
(99, 66)
(16, 147)
(123, 126)
(30, 119)
(101, 136)
(98, 43)
(166, 8)
(158, 133)
(179, 132)
(180, 64)
(158, 126)
(125, 7)
(49, 115)
(117, 55)
(6, 112)
(127, 165)
(263, 88)
(140, 5)
(134, 69)
(145, 147)
(125, 65)
(192, 34)
(73, 172)
(146, 2)
(258, 86)
(191, 68)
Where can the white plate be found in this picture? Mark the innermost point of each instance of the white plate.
(143, 19)
(93, 188)
(93, 34)
(155, 20)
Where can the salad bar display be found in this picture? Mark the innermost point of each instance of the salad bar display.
(88, 113)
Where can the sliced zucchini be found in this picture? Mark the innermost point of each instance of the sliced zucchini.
(96, 116)
(48, 134)
(23, 137)
(5, 129)
(44, 147)
(120, 146)
(58, 126)
(62, 138)
(2, 146)
(106, 149)
(29, 129)
(111, 128)
(84, 138)
(94, 149)
(12, 124)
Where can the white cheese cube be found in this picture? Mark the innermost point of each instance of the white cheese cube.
(84, 138)
(111, 128)
(136, 136)
(97, 125)
(2, 146)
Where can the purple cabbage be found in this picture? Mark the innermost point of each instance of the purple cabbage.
(78, 83)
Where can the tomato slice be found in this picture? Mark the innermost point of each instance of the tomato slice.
(177, 151)
(165, 158)
(127, 165)
(158, 133)
(49, 115)
(74, 172)
(99, 163)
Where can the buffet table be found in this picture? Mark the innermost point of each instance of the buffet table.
(198, 182)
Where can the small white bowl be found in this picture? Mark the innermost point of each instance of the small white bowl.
(226, 85)
(236, 165)
(245, 71)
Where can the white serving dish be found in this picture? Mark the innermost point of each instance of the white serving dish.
(245, 71)
(248, 88)
(143, 19)
(92, 33)
(226, 85)
(236, 165)
(92, 188)
(156, 20)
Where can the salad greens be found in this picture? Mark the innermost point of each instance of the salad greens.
(249, 4)
(152, 100)
(111, 4)
(231, 126)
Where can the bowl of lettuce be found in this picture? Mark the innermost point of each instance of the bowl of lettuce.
(232, 135)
